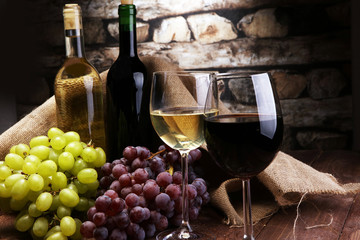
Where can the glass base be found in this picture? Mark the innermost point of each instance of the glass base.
(180, 234)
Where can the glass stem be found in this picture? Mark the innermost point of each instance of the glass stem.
(248, 227)
(185, 225)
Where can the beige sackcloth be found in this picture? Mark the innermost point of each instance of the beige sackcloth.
(286, 178)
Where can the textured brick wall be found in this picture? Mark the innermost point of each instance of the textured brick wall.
(305, 44)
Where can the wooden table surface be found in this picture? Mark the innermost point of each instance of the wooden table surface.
(338, 216)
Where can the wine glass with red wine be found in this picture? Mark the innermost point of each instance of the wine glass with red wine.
(246, 134)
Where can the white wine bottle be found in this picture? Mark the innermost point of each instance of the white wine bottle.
(78, 86)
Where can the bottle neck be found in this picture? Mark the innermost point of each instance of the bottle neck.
(74, 43)
(127, 30)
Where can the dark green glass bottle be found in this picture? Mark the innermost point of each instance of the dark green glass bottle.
(128, 92)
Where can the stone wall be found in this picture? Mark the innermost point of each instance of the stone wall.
(305, 44)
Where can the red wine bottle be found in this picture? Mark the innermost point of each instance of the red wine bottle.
(128, 91)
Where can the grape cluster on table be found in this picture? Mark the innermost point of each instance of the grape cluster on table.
(50, 182)
(141, 195)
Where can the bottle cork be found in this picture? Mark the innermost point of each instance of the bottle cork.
(72, 16)
(126, 2)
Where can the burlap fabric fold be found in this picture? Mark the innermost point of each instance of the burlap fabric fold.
(287, 179)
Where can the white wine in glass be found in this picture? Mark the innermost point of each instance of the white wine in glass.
(177, 113)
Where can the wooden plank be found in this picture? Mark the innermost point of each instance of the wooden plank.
(351, 228)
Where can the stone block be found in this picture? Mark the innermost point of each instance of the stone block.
(288, 84)
(325, 83)
(340, 13)
(142, 31)
(263, 24)
(332, 113)
(172, 29)
(94, 32)
(322, 140)
(211, 28)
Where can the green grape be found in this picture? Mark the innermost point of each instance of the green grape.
(40, 227)
(87, 175)
(33, 159)
(66, 161)
(68, 226)
(39, 140)
(91, 203)
(79, 165)
(33, 211)
(18, 205)
(53, 132)
(72, 136)
(20, 189)
(14, 161)
(75, 148)
(22, 150)
(32, 195)
(69, 197)
(83, 205)
(55, 203)
(2, 163)
(82, 188)
(44, 201)
(59, 181)
(63, 211)
(58, 142)
(101, 157)
(57, 236)
(47, 168)
(77, 235)
(72, 187)
(93, 185)
(5, 192)
(29, 168)
(5, 172)
(40, 151)
(54, 155)
(36, 182)
(52, 230)
(47, 183)
(12, 179)
(12, 149)
(89, 154)
(24, 223)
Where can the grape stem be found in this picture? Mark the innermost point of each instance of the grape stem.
(155, 154)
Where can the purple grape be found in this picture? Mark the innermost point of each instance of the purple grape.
(154, 216)
(162, 224)
(193, 213)
(157, 164)
(116, 206)
(125, 180)
(91, 212)
(115, 185)
(111, 194)
(142, 201)
(102, 203)
(99, 219)
(150, 190)
(140, 235)
(143, 152)
(105, 182)
(205, 198)
(137, 214)
(132, 200)
(124, 192)
(162, 200)
(117, 234)
(200, 186)
(164, 179)
(195, 154)
(87, 229)
(177, 178)
(192, 193)
(132, 229)
(101, 233)
(173, 191)
(116, 162)
(122, 219)
(138, 163)
(110, 224)
(149, 229)
(106, 169)
(172, 157)
(130, 153)
(119, 170)
(140, 175)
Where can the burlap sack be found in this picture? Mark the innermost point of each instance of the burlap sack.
(286, 178)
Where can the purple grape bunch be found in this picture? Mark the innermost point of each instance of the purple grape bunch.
(140, 195)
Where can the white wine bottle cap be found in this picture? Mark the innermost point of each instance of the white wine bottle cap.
(72, 16)
(126, 2)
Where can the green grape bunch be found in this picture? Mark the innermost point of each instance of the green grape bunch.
(51, 182)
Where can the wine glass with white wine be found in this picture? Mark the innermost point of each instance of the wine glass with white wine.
(177, 113)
